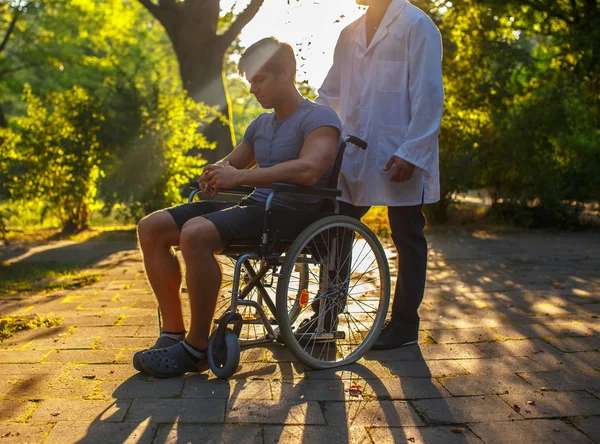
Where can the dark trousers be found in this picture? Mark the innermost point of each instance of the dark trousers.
(407, 224)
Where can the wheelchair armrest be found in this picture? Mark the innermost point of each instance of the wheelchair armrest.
(325, 193)
(234, 191)
(237, 191)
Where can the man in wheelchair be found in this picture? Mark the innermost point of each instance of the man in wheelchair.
(295, 144)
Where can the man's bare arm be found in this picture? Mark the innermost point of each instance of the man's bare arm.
(317, 155)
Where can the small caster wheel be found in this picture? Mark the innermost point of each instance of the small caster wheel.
(223, 356)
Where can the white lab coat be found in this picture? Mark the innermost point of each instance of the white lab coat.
(391, 95)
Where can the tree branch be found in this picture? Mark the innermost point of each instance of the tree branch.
(243, 19)
(11, 27)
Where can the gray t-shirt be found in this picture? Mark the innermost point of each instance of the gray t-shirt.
(278, 141)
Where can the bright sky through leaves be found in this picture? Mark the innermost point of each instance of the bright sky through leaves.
(299, 23)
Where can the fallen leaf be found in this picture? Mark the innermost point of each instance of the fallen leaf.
(89, 376)
(355, 390)
(458, 430)
(530, 402)
(55, 413)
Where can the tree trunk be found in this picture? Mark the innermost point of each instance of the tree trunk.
(201, 70)
(3, 122)
(192, 28)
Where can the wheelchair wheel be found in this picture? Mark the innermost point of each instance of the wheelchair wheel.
(252, 327)
(223, 356)
(337, 317)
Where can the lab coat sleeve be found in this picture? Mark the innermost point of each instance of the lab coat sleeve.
(426, 93)
(329, 93)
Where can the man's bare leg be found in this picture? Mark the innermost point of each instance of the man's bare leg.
(157, 234)
(200, 241)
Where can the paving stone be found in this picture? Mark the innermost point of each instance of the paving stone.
(62, 342)
(22, 356)
(140, 389)
(226, 389)
(465, 409)
(371, 413)
(533, 430)
(424, 435)
(114, 331)
(82, 356)
(128, 343)
(26, 371)
(590, 426)
(429, 369)
(46, 388)
(101, 433)
(150, 331)
(527, 347)
(274, 412)
(398, 354)
(486, 385)
(499, 366)
(180, 410)
(395, 389)
(365, 369)
(11, 433)
(310, 390)
(143, 320)
(14, 410)
(450, 351)
(576, 344)
(71, 410)
(564, 380)
(316, 434)
(80, 319)
(217, 434)
(554, 404)
(569, 361)
(462, 335)
(257, 370)
(102, 372)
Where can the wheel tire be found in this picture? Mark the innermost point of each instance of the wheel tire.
(293, 253)
(223, 359)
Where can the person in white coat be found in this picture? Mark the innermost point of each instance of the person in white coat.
(386, 86)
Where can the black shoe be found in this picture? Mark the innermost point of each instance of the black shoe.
(395, 334)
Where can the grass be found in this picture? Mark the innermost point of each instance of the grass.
(9, 325)
(22, 277)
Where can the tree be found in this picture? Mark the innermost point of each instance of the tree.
(192, 27)
(54, 152)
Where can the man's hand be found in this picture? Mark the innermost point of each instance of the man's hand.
(203, 184)
(403, 170)
(222, 176)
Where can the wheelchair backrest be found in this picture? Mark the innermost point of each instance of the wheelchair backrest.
(337, 166)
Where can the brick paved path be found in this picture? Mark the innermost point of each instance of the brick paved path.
(509, 352)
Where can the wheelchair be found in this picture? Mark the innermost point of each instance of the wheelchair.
(321, 287)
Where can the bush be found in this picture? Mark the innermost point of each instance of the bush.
(53, 154)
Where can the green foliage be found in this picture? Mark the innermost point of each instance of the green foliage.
(20, 277)
(9, 325)
(148, 172)
(54, 153)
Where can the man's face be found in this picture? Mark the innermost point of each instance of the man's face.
(266, 87)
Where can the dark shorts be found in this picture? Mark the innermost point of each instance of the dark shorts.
(234, 221)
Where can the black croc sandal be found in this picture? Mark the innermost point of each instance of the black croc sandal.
(169, 362)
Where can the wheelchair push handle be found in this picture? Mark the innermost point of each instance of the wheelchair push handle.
(356, 141)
